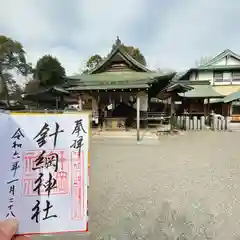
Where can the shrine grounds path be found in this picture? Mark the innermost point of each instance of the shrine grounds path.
(188, 184)
(134, 185)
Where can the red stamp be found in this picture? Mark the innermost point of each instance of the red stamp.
(78, 185)
(29, 175)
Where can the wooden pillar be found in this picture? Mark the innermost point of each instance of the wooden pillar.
(57, 101)
(109, 98)
(79, 103)
(205, 108)
(171, 112)
(208, 106)
(230, 109)
(223, 109)
(138, 117)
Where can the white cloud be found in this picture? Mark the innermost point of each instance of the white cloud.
(91, 27)
(171, 33)
(194, 29)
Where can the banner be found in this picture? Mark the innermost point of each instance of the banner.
(44, 171)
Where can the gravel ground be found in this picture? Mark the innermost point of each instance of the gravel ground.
(180, 185)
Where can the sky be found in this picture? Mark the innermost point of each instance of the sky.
(171, 34)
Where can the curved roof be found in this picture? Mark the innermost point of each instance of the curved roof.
(201, 91)
(232, 97)
(119, 49)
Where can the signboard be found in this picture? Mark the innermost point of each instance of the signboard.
(143, 101)
(44, 171)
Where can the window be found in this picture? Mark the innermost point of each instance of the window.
(218, 77)
(196, 76)
(236, 76)
(236, 108)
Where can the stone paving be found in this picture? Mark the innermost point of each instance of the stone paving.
(163, 189)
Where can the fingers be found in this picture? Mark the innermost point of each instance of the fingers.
(8, 228)
(21, 238)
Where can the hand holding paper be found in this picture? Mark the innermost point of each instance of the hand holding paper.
(8, 229)
(44, 173)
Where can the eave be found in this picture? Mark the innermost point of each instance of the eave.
(232, 97)
(109, 87)
(136, 81)
(117, 77)
(46, 93)
(201, 92)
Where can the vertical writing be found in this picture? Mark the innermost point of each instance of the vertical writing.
(78, 132)
(16, 147)
(41, 137)
(56, 162)
(77, 159)
(45, 182)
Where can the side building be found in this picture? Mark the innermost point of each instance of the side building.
(216, 86)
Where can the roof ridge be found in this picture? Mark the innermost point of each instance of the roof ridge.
(224, 53)
(135, 61)
(114, 50)
(119, 46)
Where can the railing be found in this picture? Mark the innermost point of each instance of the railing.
(218, 80)
(156, 115)
(236, 79)
(226, 80)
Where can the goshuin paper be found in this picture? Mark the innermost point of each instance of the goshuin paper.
(44, 171)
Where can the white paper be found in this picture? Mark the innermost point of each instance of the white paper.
(69, 198)
(110, 107)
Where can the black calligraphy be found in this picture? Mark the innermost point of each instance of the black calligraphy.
(17, 138)
(41, 137)
(55, 134)
(15, 166)
(78, 132)
(36, 209)
(38, 184)
(77, 143)
(78, 128)
(50, 184)
(44, 161)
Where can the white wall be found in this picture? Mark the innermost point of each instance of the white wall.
(220, 62)
(204, 76)
(209, 76)
(233, 61)
(227, 61)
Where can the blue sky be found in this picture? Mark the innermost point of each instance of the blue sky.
(170, 33)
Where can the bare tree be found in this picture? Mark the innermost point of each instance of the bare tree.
(202, 61)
